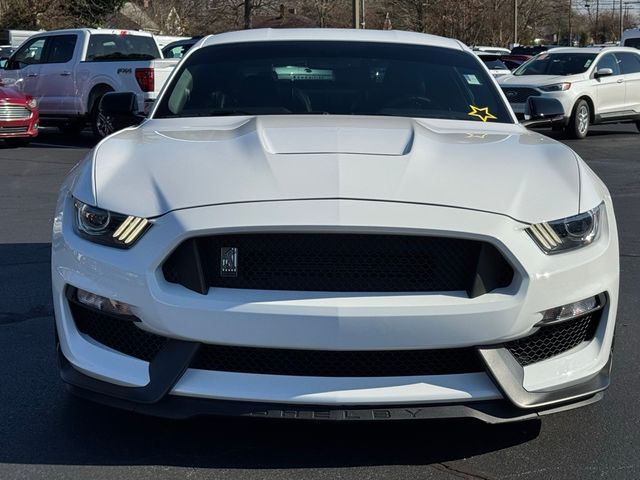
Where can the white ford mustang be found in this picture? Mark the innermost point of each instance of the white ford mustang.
(334, 224)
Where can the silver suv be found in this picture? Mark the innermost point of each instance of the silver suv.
(594, 85)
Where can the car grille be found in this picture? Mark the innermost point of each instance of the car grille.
(13, 129)
(120, 335)
(554, 339)
(519, 94)
(125, 337)
(324, 363)
(340, 263)
(14, 112)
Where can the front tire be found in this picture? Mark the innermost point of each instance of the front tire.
(580, 120)
(101, 125)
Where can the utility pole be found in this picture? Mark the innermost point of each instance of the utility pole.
(515, 22)
(356, 13)
(621, 23)
(364, 23)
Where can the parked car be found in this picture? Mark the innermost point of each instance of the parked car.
(532, 50)
(495, 50)
(164, 40)
(179, 48)
(514, 61)
(594, 86)
(495, 65)
(410, 252)
(68, 71)
(18, 117)
(15, 38)
(631, 38)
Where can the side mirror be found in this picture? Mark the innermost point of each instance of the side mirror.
(121, 108)
(540, 110)
(604, 72)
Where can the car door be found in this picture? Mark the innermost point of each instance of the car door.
(610, 90)
(23, 68)
(57, 80)
(630, 64)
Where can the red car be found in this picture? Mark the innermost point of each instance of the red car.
(18, 117)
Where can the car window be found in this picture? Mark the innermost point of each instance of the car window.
(494, 64)
(61, 48)
(111, 47)
(29, 54)
(176, 52)
(629, 62)
(332, 77)
(632, 42)
(556, 64)
(609, 61)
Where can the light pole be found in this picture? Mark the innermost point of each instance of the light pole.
(515, 22)
(621, 23)
(356, 13)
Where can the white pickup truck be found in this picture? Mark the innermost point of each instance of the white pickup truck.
(68, 72)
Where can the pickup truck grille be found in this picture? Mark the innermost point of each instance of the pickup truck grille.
(14, 112)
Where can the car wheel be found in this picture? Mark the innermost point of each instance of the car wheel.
(579, 124)
(101, 125)
(17, 142)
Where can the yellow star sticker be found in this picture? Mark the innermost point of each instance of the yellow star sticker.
(482, 113)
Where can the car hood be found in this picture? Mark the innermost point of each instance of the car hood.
(537, 80)
(169, 164)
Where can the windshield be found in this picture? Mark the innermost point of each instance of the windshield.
(494, 64)
(105, 47)
(556, 64)
(343, 78)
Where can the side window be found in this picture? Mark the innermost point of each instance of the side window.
(29, 54)
(632, 42)
(175, 52)
(609, 61)
(61, 48)
(630, 62)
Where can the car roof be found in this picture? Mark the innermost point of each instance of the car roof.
(595, 50)
(93, 31)
(332, 34)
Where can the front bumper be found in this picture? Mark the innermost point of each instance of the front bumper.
(330, 321)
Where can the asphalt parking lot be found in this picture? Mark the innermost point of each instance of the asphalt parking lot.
(46, 434)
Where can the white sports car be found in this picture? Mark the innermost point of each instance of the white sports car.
(334, 224)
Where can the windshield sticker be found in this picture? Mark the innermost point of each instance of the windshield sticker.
(587, 63)
(481, 113)
(471, 79)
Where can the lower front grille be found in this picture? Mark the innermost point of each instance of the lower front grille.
(553, 340)
(120, 335)
(13, 129)
(324, 363)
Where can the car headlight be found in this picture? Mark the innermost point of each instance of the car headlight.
(568, 233)
(32, 102)
(556, 87)
(108, 228)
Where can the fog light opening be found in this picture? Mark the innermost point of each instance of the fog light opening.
(103, 304)
(572, 310)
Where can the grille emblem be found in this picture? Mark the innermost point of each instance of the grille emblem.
(228, 262)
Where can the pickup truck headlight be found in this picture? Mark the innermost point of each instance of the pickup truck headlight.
(556, 87)
(568, 233)
(108, 228)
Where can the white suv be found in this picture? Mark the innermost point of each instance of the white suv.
(595, 85)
